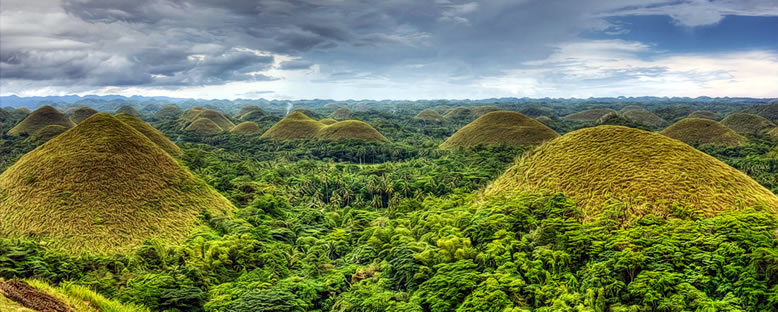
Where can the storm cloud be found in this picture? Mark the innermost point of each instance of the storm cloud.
(173, 44)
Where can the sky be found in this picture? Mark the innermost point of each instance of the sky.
(390, 49)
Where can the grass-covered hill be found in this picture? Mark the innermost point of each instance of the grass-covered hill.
(429, 115)
(128, 109)
(328, 121)
(46, 133)
(699, 131)
(153, 134)
(589, 115)
(649, 173)
(704, 114)
(217, 117)
(644, 117)
(350, 130)
(245, 110)
(459, 113)
(170, 111)
(246, 128)
(294, 126)
(102, 186)
(341, 113)
(204, 127)
(190, 114)
(41, 117)
(78, 115)
(500, 128)
(747, 124)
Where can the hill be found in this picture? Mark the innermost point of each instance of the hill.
(429, 115)
(128, 109)
(704, 114)
(307, 112)
(483, 110)
(246, 109)
(589, 115)
(102, 187)
(217, 117)
(153, 134)
(170, 111)
(644, 117)
(747, 124)
(500, 128)
(246, 127)
(295, 126)
(768, 111)
(341, 113)
(350, 130)
(41, 117)
(82, 113)
(191, 114)
(459, 113)
(698, 131)
(204, 127)
(328, 121)
(648, 172)
(46, 133)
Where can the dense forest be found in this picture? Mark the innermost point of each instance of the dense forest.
(404, 225)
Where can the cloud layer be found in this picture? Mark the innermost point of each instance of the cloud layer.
(363, 49)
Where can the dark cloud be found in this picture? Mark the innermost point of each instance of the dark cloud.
(295, 65)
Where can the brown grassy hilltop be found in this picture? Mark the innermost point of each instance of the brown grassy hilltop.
(459, 113)
(589, 115)
(646, 171)
(350, 130)
(102, 186)
(341, 113)
(246, 109)
(295, 126)
(170, 111)
(46, 133)
(246, 128)
(747, 124)
(191, 114)
(153, 134)
(328, 121)
(217, 118)
(500, 128)
(82, 113)
(429, 115)
(704, 114)
(204, 127)
(40, 118)
(128, 109)
(699, 131)
(483, 110)
(644, 117)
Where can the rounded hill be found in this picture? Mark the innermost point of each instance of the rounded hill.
(128, 109)
(40, 118)
(217, 118)
(747, 124)
(295, 126)
(191, 114)
(246, 128)
(82, 113)
(501, 128)
(648, 172)
(328, 121)
(46, 133)
(153, 134)
(699, 131)
(341, 113)
(704, 114)
(350, 130)
(589, 115)
(644, 117)
(458, 113)
(429, 115)
(102, 187)
(170, 111)
(204, 127)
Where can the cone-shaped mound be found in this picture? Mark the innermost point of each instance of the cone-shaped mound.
(747, 124)
(589, 114)
(128, 109)
(698, 131)
(648, 172)
(191, 114)
(246, 109)
(328, 121)
(40, 118)
(350, 130)
(307, 112)
(103, 187)
(217, 118)
(153, 134)
(24, 109)
(152, 108)
(46, 133)
(644, 117)
(82, 113)
(458, 113)
(256, 115)
(204, 127)
(704, 114)
(769, 110)
(246, 127)
(341, 114)
(295, 126)
(501, 128)
(545, 120)
(170, 111)
(483, 110)
(429, 115)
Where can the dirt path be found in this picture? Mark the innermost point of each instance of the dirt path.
(32, 298)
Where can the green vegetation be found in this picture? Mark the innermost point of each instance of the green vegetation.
(82, 113)
(40, 118)
(459, 113)
(589, 115)
(294, 126)
(500, 128)
(153, 134)
(341, 114)
(429, 115)
(649, 173)
(68, 296)
(246, 128)
(704, 114)
(699, 131)
(350, 130)
(102, 187)
(747, 124)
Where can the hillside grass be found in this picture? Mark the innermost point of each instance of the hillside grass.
(217, 117)
(153, 134)
(82, 113)
(500, 128)
(704, 114)
(350, 130)
(649, 173)
(76, 297)
(589, 115)
(102, 187)
(204, 127)
(429, 115)
(747, 124)
(295, 126)
(246, 128)
(699, 131)
(644, 117)
(41, 117)
(128, 109)
(46, 133)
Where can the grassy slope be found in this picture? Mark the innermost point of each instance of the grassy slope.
(747, 124)
(698, 131)
(217, 118)
(647, 171)
(82, 113)
(102, 186)
(429, 115)
(501, 128)
(350, 129)
(204, 126)
(153, 134)
(247, 127)
(589, 115)
(40, 118)
(294, 126)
